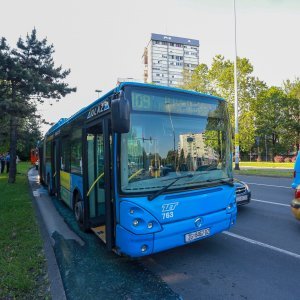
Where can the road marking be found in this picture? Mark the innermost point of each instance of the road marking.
(270, 185)
(295, 255)
(270, 202)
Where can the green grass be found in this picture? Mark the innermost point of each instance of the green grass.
(266, 164)
(22, 261)
(264, 172)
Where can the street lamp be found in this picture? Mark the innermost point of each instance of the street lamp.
(236, 132)
(98, 91)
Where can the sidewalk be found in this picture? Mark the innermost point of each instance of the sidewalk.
(50, 222)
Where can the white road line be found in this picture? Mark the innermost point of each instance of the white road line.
(295, 255)
(270, 202)
(270, 185)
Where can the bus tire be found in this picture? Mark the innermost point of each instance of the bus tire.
(78, 209)
(50, 192)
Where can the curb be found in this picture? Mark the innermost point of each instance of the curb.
(56, 285)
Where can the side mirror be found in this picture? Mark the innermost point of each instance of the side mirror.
(120, 114)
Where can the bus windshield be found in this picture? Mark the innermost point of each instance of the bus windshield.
(174, 134)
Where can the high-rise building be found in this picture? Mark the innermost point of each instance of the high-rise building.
(167, 57)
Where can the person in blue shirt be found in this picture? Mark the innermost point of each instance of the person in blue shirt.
(7, 159)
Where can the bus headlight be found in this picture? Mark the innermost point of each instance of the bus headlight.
(230, 207)
(135, 222)
(137, 219)
(144, 248)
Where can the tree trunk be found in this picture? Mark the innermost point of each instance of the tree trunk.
(13, 150)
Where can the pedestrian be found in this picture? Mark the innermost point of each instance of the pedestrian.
(7, 159)
(2, 161)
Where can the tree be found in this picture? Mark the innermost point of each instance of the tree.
(27, 76)
(198, 80)
(292, 111)
(219, 81)
(271, 117)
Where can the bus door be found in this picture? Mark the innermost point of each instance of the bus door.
(55, 166)
(97, 170)
(57, 155)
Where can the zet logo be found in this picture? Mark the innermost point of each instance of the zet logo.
(168, 210)
(169, 207)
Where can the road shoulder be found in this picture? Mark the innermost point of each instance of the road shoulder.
(56, 285)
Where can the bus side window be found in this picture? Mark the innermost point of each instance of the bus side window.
(61, 163)
(66, 155)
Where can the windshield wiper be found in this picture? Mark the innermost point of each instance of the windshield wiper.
(159, 192)
(228, 182)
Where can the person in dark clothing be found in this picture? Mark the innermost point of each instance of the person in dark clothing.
(7, 159)
(2, 161)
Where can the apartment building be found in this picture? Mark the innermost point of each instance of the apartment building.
(166, 57)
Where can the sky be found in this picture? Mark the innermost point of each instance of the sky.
(102, 40)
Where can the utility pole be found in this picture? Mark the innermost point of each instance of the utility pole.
(236, 132)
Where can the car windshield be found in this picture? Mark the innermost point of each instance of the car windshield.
(174, 134)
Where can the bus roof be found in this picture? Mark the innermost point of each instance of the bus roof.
(85, 109)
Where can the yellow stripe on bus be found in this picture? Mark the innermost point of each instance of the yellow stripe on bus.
(65, 180)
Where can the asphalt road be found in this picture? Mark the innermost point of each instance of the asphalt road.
(258, 259)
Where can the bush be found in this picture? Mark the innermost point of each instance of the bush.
(278, 158)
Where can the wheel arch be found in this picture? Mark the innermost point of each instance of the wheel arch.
(76, 192)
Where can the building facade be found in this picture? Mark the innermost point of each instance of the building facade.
(167, 57)
(196, 150)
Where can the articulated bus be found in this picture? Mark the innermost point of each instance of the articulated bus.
(146, 167)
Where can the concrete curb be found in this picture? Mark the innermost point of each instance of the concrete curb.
(56, 285)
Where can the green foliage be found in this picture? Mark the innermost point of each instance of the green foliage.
(27, 76)
(271, 113)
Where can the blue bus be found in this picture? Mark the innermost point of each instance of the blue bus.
(146, 167)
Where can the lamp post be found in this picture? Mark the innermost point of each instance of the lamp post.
(236, 132)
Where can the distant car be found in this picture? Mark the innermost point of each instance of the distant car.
(243, 193)
(295, 205)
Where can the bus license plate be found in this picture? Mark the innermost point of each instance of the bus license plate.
(196, 235)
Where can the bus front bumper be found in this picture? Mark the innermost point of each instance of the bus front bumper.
(173, 234)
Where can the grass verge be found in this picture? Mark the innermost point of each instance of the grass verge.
(22, 261)
(266, 164)
(265, 172)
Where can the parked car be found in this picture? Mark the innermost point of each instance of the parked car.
(295, 205)
(243, 193)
